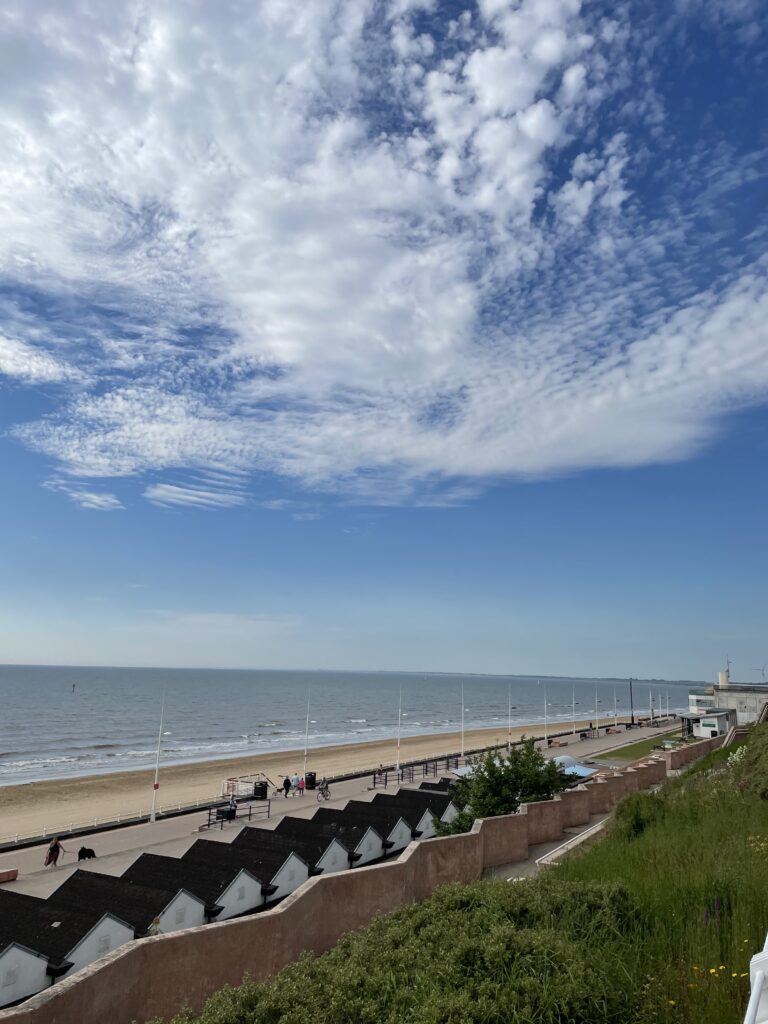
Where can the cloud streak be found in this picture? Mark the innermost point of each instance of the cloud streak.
(385, 251)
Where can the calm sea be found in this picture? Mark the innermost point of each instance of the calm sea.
(63, 722)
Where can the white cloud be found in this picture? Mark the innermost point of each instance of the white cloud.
(313, 241)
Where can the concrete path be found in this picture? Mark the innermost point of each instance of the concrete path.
(117, 849)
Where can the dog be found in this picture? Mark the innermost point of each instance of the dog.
(85, 853)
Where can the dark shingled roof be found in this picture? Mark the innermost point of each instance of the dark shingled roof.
(388, 817)
(358, 813)
(435, 802)
(137, 905)
(205, 881)
(310, 846)
(350, 836)
(44, 927)
(437, 787)
(263, 862)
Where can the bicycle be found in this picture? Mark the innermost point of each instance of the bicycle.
(323, 791)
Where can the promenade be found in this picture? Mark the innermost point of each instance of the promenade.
(117, 849)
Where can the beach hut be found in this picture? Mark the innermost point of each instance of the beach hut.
(321, 854)
(276, 865)
(396, 832)
(437, 787)
(420, 810)
(226, 891)
(146, 909)
(41, 942)
(361, 842)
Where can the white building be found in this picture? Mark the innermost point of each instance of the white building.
(746, 699)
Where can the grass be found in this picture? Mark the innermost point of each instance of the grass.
(695, 860)
(642, 747)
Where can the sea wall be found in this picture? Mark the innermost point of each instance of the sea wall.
(158, 976)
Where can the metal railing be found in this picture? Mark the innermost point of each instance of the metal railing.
(757, 1008)
(569, 844)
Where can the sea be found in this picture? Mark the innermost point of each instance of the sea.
(62, 722)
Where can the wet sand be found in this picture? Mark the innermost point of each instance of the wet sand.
(34, 807)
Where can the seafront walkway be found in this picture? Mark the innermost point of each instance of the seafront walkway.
(117, 849)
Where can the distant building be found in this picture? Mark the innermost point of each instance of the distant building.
(707, 724)
(746, 699)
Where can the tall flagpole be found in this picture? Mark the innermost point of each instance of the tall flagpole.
(545, 714)
(306, 735)
(156, 785)
(509, 722)
(667, 703)
(462, 719)
(650, 701)
(597, 717)
(399, 720)
(615, 716)
(574, 709)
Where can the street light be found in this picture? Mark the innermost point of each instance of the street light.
(156, 785)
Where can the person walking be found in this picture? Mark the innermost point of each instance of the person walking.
(54, 849)
(295, 783)
(301, 786)
(286, 786)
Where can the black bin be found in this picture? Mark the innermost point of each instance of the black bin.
(310, 780)
(259, 791)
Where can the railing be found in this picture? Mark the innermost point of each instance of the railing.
(219, 815)
(119, 820)
(757, 1008)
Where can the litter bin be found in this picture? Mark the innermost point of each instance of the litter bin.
(260, 791)
(310, 780)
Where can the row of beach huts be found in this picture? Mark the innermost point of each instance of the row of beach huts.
(90, 914)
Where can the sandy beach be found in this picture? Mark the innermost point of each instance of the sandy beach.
(35, 807)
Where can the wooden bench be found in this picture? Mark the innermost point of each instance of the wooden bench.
(557, 743)
(9, 876)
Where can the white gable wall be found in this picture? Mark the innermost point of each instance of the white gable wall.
(369, 848)
(184, 911)
(334, 859)
(450, 813)
(107, 935)
(242, 895)
(400, 836)
(289, 877)
(22, 974)
(427, 825)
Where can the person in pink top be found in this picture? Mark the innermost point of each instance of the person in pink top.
(301, 786)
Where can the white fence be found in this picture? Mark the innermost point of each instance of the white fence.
(757, 1010)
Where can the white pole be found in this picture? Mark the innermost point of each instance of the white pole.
(509, 722)
(615, 715)
(667, 703)
(399, 720)
(650, 701)
(306, 735)
(660, 705)
(574, 709)
(462, 719)
(545, 714)
(597, 719)
(156, 785)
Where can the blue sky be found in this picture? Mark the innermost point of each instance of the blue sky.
(385, 335)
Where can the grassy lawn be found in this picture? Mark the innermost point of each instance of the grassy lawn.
(643, 747)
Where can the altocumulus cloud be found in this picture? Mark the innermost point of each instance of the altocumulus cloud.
(391, 249)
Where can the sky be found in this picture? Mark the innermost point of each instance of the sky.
(385, 334)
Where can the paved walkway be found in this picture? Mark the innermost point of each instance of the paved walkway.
(117, 849)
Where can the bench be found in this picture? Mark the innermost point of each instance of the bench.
(10, 875)
(557, 743)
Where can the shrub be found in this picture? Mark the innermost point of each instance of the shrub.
(500, 783)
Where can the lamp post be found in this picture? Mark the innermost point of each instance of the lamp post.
(573, 695)
(509, 722)
(462, 719)
(631, 703)
(156, 784)
(597, 719)
(545, 714)
(399, 720)
(306, 735)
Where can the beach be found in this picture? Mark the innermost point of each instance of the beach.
(31, 808)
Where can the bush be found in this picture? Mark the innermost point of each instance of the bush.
(536, 952)
(500, 783)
